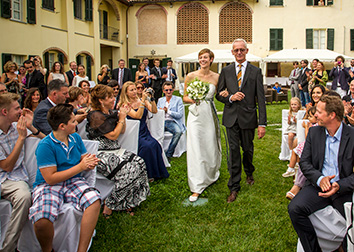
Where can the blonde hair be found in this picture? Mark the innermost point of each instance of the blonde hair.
(298, 102)
(10, 64)
(103, 66)
(124, 99)
(74, 93)
(100, 92)
(7, 99)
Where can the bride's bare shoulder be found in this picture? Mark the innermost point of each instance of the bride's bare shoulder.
(192, 75)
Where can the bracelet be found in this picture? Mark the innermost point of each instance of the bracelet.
(121, 122)
(36, 134)
(142, 103)
(141, 106)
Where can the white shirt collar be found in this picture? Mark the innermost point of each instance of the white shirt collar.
(51, 102)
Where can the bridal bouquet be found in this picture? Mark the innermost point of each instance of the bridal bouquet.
(197, 90)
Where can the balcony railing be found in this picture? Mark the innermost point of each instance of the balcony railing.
(108, 32)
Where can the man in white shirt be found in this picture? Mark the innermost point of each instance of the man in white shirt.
(174, 112)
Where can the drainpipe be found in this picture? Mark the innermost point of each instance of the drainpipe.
(126, 28)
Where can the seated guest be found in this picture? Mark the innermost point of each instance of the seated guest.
(33, 97)
(173, 107)
(3, 89)
(148, 148)
(277, 88)
(329, 170)
(348, 110)
(61, 157)
(139, 89)
(57, 93)
(15, 126)
(85, 85)
(103, 77)
(351, 91)
(81, 76)
(127, 170)
(76, 99)
(116, 92)
(57, 72)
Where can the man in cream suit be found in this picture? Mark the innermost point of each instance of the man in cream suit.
(173, 107)
(240, 88)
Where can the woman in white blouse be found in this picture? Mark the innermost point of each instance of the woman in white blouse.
(57, 73)
(81, 76)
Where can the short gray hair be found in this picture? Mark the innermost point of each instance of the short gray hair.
(240, 40)
(56, 85)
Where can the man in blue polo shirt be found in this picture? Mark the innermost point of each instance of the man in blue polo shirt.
(61, 157)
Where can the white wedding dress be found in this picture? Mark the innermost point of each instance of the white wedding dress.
(203, 144)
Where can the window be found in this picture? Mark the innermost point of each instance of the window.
(276, 2)
(31, 11)
(276, 39)
(16, 9)
(88, 10)
(48, 4)
(19, 59)
(320, 39)
(319, 2)
(6, 8)
(192, 24)
(78, 9)
(51, 60)
(235, 21)
(352, 39)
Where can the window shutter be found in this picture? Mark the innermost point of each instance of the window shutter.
(309, 2)
(61, 57)
(276, 2)
(329, 2)
(330, 39)
(352, 39)
(5, 8)
(78, 59)
(280, 39)
(88, 10)
(88, 66)
(5, 58)
(309, 38)
(31, 11)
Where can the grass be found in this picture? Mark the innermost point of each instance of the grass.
(256, 221)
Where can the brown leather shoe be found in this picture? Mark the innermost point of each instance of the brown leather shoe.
(232, 197)
(250, 180)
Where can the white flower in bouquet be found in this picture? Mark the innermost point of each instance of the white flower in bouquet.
(197, 90)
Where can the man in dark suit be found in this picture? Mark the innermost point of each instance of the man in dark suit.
(58, 93)
(34, 78)
(158, 79)
(340, 75)
(122, 74)
(327, 163)
(240, 87)
(304, 83)
(170, 72)
(72, 72)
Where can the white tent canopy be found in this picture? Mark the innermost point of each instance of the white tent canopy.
(221, 56)
(290, 55)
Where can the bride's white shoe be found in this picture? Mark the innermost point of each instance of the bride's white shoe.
(193, 198)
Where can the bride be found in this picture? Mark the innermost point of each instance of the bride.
(203, 132)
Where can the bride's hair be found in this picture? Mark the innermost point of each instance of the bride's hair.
(206, 50)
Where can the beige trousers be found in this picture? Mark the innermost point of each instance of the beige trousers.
(18, 193)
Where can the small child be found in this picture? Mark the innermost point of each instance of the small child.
(295, 106)
(61, 157)
(277, 87)
(296, 155)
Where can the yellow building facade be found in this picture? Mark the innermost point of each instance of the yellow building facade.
(97, 32)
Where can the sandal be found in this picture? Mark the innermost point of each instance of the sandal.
(290, 195)
(106, 216)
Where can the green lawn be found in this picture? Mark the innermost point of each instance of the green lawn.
(256, 221)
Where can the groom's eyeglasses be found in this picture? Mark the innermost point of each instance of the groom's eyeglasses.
(239, 50)
(168, 90)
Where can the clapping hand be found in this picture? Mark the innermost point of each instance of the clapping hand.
(124, 110)
(21, 127)
(28, 114)
(327, 188)
(90, 161)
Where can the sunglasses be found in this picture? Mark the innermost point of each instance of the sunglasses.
(140, 88)
(168, 90)
(239, 50)
(115, 89)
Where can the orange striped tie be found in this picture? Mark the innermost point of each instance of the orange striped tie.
(239, 75)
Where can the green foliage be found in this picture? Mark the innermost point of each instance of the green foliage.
(256, 221)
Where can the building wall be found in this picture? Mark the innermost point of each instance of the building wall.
(293, 17)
